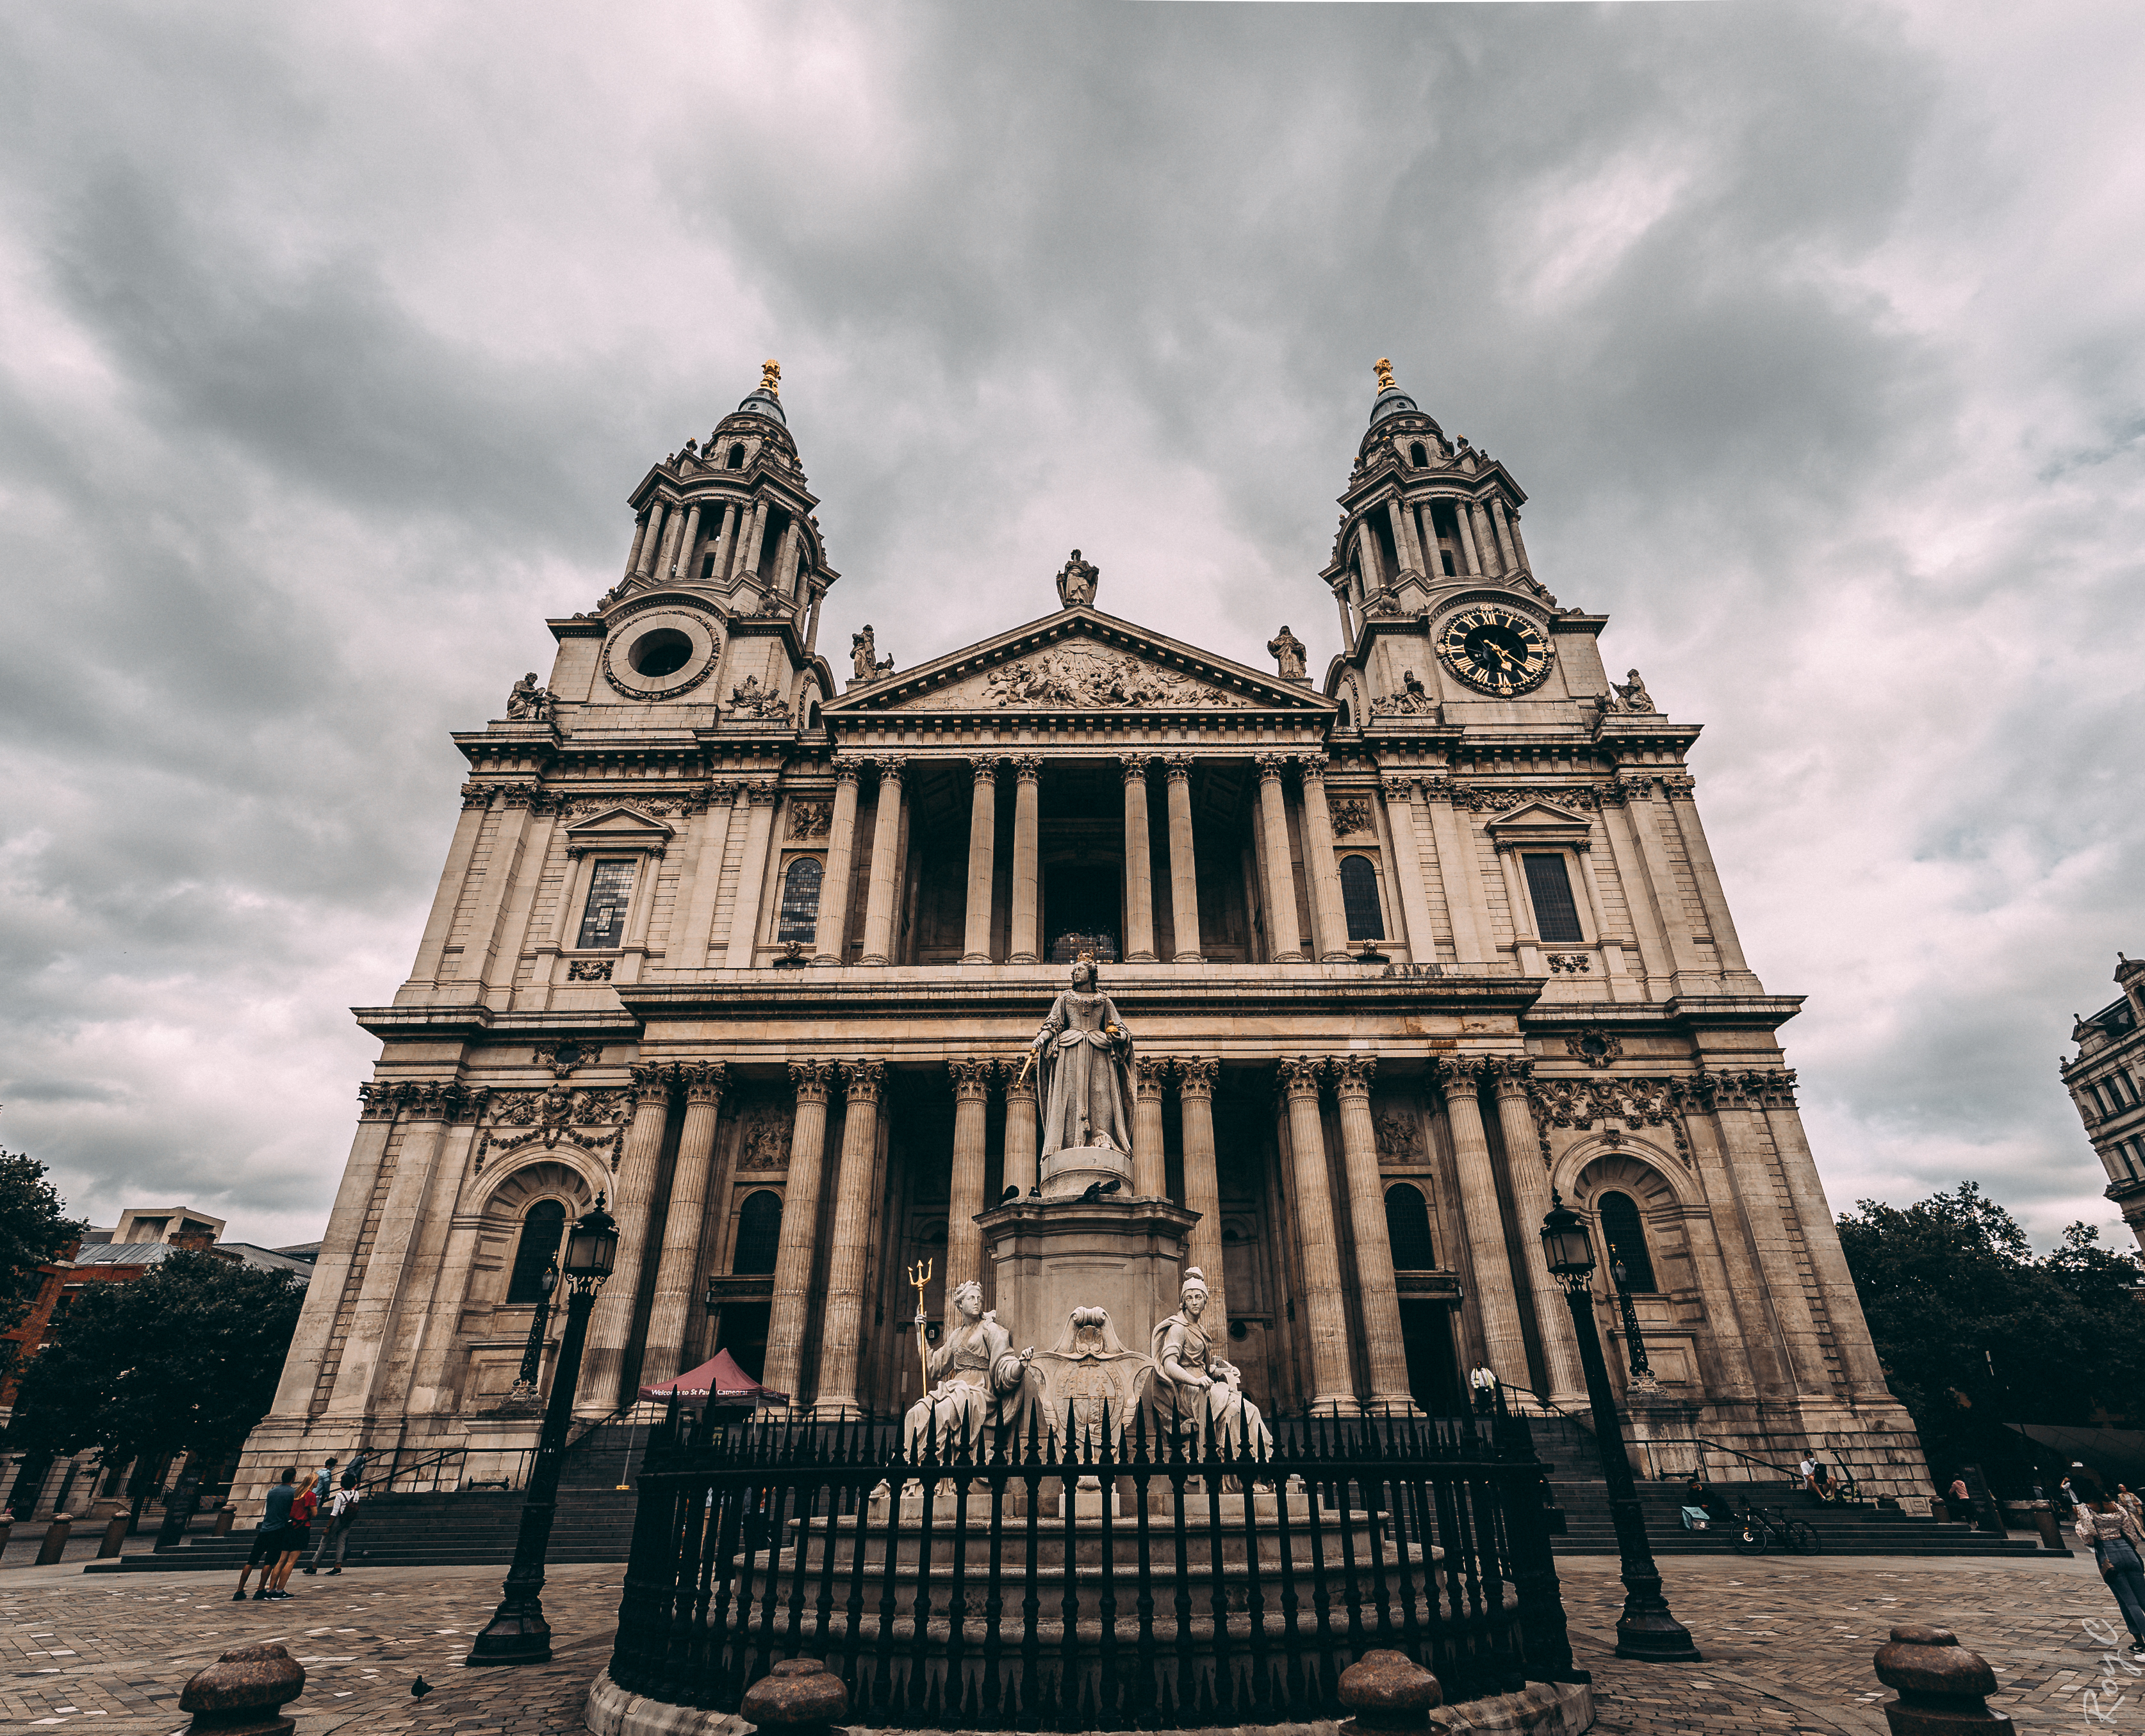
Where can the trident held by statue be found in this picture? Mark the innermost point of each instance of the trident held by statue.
(919, 1275)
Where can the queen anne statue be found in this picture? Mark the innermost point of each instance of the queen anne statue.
(1084, 1055)
(1191, 1393)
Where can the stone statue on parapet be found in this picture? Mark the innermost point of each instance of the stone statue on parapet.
(528, 703)
(984, 1392)
(1191, 1395)
(1632, 696)
(864, 656)
(1076, 582)
(1083, 1057)
(1287, 650)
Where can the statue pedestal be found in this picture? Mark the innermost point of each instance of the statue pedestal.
(1068, 1172)
(1053, 1255)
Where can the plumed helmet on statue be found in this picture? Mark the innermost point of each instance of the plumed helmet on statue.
(1194, 1279)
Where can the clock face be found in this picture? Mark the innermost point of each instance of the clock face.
(1495, 650)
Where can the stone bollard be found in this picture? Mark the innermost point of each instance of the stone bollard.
(242, 1692)
(1389, 1691)
(1941, 1686)
(115, 1535)
(225, 1516)
(56, 1539)
(802, 1697)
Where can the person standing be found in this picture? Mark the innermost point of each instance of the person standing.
(1482, 1380)
(2118, 1549)
(324, 1481)
(268, 1541)
(296, 1536)
(342, 1514)
(2129, 1502)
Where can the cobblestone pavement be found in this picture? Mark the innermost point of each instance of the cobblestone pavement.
(1786, 1646)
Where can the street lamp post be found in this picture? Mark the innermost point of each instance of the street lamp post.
(1634, 1341)
(517, 1632)
(1646, 1629)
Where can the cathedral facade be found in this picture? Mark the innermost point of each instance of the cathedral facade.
(753, 942)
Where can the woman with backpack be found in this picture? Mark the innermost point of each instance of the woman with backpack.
(2118, 1551)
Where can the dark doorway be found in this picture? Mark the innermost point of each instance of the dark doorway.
(1083, 907)
(1433, 1373)
(743, 1332)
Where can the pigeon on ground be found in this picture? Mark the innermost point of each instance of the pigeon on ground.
(419, 1688)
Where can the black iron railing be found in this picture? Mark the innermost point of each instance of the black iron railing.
(1050, 1585)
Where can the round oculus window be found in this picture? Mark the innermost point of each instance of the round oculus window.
(660, 651)
(660, 654)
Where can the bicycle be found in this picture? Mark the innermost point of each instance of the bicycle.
(1759, 1532)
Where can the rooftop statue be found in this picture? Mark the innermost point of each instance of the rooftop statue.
(1076, 582)
(1083, 1057)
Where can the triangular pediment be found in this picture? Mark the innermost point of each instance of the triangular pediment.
(1538, 819)
(619, 829)
(1079, 660)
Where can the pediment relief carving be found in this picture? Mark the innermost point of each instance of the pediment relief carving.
(1536, 818)
(616, 828)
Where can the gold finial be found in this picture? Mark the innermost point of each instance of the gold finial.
(770, 376)
(1385, 374)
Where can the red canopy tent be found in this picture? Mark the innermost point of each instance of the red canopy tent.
(719, 1381)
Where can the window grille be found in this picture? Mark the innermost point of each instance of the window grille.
(610, 891)
(1407, 1227)
(1359, 898)
(760, 1234)
(1556, 917)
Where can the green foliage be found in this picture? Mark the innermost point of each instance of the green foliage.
(34, 1228)
(184, 1359)
(1974, 1331)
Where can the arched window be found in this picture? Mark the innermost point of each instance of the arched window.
(541, 1228)
(1359, 898)
(1417, 457)
(1625, 1233)
(1407, 1227)
(736, 460)
(1341, 722)
(760, 1234)
(800, 899)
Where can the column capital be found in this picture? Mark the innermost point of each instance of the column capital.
(983, 768)
(891, 767)
(704, 1080)
(1195, 1076)
(811, 1080)
(1026, 767)
(1148, 1073)
(1352, 1075)
(1674, 783)
(1510, 1074)
(1134, 766)
(1313, 765)
(476, 795)
(862, 1080)
(760, 793)
(1299, 1075)
(1178, 766)
(1460, 1073)
(651, 1078)
(1020, 1082)
(375, 1101)
(846, 770)
(1400, 787)
(972, 1078)
(1271, 765)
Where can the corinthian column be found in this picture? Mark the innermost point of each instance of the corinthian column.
(1023, 944)
(611, 1325)
(1139, 871)
(1023, 1137)
(1329, 921)
(1202, 1189)
(885, 865)
(1333, 1392)
(965, 1236)
(1282, 936)
(677, 1272)
(982, 838)
(1150, 1170)
(788, 1316)
(832, 933)
(651, 540)
(685, 557)
(1528, 1174)
(1183, 872)
(1377, 1290)
(1503, 1344)
(842, 1320)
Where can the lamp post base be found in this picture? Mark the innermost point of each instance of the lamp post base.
(516, 1633)
(1654, 1635)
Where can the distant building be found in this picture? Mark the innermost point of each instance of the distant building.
(2104, 1083)
(144, 1237)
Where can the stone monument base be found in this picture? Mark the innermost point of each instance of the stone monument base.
(1070, 1171)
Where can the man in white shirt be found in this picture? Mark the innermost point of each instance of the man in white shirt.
(342, 1514)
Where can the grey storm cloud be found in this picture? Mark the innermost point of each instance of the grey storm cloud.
(338, 336)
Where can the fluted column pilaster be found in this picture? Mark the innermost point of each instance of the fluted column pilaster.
(1504, 1345)
(1024, 1132)
(1139, 870)
(1324, 1309)
(1203, 1187)
(1023, 937)
(832, 937)
(885, 865)
(677, 1272)
(1282, 947)
(1528, 1174)
(965, 1236)
(1329, 919)
(1377, 1289)
(1150, 1169)
(843, 1319)
(790, 1313)
(983, 839)
(610, 1327)
(1184, 868)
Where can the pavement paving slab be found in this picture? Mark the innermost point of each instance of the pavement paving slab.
(1786, 1645)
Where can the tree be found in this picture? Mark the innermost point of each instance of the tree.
(1974, 1330)
(185, 1359)
(34, 1228)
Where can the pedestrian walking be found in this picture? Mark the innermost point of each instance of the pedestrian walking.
(268, 1539)
(2067, 1498)
(324, 1480)
(342, 1516)
(2117, 1543)
(296, 1536)
(1482, 1380)
(353, 1474)
(2129, 1502)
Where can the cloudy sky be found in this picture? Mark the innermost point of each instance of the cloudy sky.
(335, 335)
